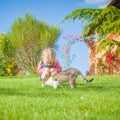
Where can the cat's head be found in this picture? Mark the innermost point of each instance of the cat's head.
(45, 79)
(55, 76)
(45, 76)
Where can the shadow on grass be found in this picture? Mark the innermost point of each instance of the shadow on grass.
(61, 91)
(20, 92)
(41, 92)
(98, 87)
(11, 91)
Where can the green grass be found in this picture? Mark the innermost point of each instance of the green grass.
(23, 98)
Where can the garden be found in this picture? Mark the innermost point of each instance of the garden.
(21, 95)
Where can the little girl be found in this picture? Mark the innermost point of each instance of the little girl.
(49, 64)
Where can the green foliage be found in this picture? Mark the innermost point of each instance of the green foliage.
(106, 20)
(23, 99)
(84, 14)
(108, 44)
(30, 37)
(7, 62)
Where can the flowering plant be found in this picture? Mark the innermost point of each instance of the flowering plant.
(90, 43)
(67, 57)
(112, 62)
(88, 73)
(112, 59)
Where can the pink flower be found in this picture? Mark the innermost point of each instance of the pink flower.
(63, 37)
(87, 73)
(110, 57)
(77, 38)
(69, 35)
(90, 43)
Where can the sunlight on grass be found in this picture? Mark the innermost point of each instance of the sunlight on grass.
(23, 98)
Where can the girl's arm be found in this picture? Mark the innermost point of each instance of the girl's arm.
(40, 69)
(57, 66)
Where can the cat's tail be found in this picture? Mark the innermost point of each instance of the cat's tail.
(84, 78)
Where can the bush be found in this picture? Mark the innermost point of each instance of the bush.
(8, 65)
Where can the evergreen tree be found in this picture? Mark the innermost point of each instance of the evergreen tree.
(104, 20)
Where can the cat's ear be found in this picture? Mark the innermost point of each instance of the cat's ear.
(54, 75)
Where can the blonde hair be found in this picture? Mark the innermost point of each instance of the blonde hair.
(49, 51)
(48, 55)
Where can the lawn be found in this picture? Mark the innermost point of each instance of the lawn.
(23, 98)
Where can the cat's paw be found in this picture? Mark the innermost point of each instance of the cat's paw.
(55, 86)
(42, 85)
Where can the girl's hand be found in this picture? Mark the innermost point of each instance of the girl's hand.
(47, 69)
(52, 70)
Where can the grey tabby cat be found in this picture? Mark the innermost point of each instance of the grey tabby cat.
(68, 75)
